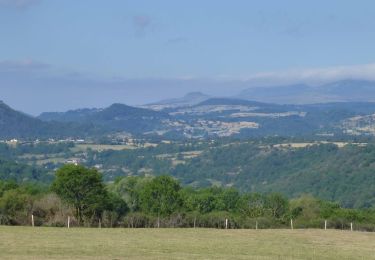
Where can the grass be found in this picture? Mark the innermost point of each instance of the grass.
(303, 145)
(100, 147)
(84, 243)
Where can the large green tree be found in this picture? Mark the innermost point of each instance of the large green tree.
(277, 205)
(129, 188)
(83, 188)
(161, 196)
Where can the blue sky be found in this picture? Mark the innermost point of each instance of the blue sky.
(58, 55)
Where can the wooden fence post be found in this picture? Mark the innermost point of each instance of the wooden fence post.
(226, 223)
(325, 224)
(32, 220)
(351, 226)
(68, 221)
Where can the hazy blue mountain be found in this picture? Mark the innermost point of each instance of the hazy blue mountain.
(340, 91)
(78, 123)
(189, 99)
(121, 117)
(15, 124)
(76, 115)
(113, 112)
(124, 112)
(117, 117)
(229, 101)
(292, 94)
(351, 90)
(213, 117)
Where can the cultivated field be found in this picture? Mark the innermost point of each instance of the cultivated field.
(82, 243)
(100, 147)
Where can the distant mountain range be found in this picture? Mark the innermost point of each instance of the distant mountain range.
(189, 99)
(78, 123)
(115, 118)
(197, 115)
(76, 115)
(340, 91)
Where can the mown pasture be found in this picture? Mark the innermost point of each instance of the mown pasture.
(121, 243)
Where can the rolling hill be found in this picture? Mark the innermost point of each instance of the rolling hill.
(211, 118)
(15, 124)
(117, 117)
(190, 99)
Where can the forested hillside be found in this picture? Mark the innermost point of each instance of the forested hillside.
(344, 174)
(10, 170)
(340, 174)
(334, 171)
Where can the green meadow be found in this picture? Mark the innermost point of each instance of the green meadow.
(124, 243)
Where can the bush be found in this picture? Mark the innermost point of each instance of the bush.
(49, 210)
(14, 208)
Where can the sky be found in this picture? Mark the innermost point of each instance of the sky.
(59, 55)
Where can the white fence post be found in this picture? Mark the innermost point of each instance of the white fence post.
(325, 224)
(32, 220)
(291, 223)
(68, 221)
(351, 226)
(226, 223)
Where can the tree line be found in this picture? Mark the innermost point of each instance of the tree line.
(79, 193)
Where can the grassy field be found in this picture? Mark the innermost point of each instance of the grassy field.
(82, 243)
(103, 147)
(303, 145)
(100, 147)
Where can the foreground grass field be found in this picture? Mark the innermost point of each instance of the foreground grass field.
(82, 243)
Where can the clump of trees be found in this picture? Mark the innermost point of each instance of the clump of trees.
(80, 193)
(83, 189)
